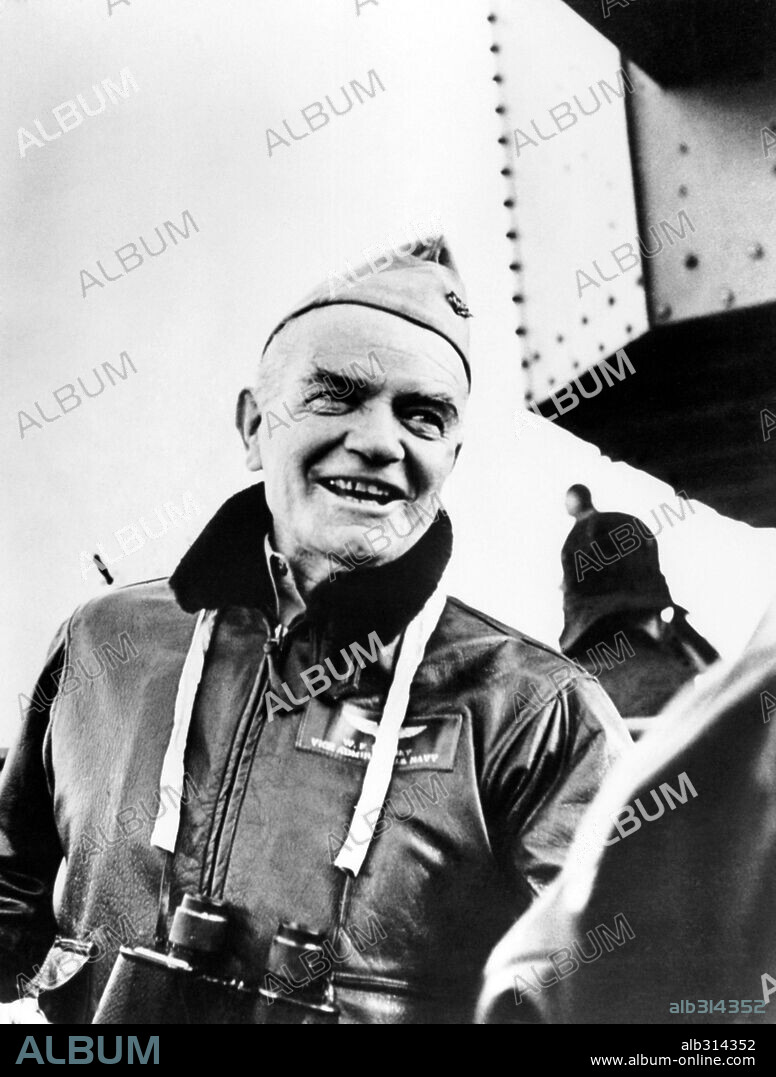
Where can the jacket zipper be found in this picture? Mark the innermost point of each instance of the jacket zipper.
(271, 646)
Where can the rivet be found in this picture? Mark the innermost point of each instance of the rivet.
(521, 331)
(515, 267)
(600, 347)
(560, 338)
(683, 147)
(628, 328)
(506, 171)
(502, 140)
(517, 299)
(575, 364)
(509, 202)
(682, 190)
(691, 261)
(525, 364)
(756, 251)
(491, 18)
(665, 312)
(584, 319)
(498, 78)
(500, 109)
(611, 300)
(512, 234)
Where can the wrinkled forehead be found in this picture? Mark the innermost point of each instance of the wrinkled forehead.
(341, 338)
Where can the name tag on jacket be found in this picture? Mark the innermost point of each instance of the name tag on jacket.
(347, 732)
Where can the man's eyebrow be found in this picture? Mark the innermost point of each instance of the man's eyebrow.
(320, 373)
(436, 399)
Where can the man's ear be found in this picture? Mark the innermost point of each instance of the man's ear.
(248, 420)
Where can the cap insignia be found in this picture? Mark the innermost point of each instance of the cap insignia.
(458, 305)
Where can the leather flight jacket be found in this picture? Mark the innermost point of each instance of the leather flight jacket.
(504, 744)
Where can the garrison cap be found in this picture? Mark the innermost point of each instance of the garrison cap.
(422, 286)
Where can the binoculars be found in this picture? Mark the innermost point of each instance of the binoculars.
(183, 980)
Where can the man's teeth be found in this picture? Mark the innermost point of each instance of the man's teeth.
(368, 490)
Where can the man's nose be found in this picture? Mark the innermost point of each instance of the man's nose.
(375, 433)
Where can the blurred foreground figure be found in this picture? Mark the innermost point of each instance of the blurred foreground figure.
(621, 622)
(666, 901)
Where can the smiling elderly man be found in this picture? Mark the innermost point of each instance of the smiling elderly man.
(370, 781)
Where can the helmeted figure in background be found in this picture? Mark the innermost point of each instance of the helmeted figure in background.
(615, 599)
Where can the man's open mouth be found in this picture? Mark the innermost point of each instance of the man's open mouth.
(365, 492)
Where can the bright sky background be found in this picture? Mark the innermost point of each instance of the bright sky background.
(212, 78)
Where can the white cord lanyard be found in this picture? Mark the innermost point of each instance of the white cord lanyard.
(165, 832)
(378, 772)
(380, 768)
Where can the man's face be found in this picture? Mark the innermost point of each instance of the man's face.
(360, 422)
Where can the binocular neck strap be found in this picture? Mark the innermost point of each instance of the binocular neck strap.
(377, 779)
(165, 832)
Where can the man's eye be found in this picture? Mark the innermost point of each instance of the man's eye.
(426, 420)
(331, 395)
(321, 401)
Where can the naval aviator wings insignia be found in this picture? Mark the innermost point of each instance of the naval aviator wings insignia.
(347, 732)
